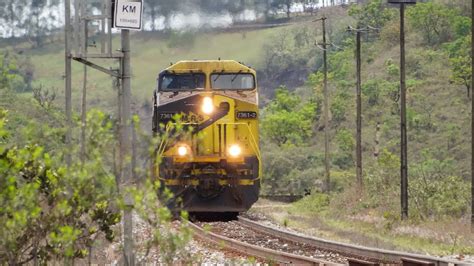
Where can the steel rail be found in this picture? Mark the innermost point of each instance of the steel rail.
(256, 251)
(351, 250)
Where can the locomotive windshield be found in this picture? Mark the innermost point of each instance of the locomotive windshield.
(182, 82)
(236, 81)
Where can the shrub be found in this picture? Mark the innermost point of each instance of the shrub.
(338, 108)
(433, 21)
(374, 13)
(314, 203)
(291, 169)
(346, 143)
(435, 197)
(286, 113)
(390, 34)
(50, 211)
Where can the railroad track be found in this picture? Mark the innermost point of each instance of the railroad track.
(251, 250)
(362, 255)
(272, 245)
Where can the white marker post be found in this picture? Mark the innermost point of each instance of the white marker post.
(128, 14)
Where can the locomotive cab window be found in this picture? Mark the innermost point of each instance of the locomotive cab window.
(235, 81)
(182, 82)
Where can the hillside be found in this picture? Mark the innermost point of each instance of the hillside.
(150, 54)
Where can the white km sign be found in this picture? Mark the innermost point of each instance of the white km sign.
(128, 14)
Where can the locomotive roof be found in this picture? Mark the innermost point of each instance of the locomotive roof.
(210, 66)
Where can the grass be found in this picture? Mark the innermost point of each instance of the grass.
(313, 215)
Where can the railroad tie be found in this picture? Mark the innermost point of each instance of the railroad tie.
(415, 262)
(356, 262)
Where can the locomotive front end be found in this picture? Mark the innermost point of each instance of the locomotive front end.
(215, 167)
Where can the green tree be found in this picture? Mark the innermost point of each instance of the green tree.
(16, 73)
(263, 7)
(287, 120)
(374, 13)
(345, 140)
(12, 13)
(346, 144)
(338, 107)
(157, 8)
(372, 91)
(283, 4)
(433, 21)
(461, 64)
(35, 19)
(50, 211)
(289, 56)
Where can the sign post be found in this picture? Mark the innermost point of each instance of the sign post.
(403, 112)
(128, 14)
(121, 14)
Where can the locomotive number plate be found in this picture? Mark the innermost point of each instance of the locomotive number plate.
(188, 118)
(167, 116)
(246, 115)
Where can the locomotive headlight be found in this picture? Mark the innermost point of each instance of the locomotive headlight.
(182, 150)
(235, 150)
(207, 105)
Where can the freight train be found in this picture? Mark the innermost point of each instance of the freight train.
(216, 167)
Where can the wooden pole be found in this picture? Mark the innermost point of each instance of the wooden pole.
(403, 119)
(84, 100)
(327, 162)
(472, 119)
(359, 113)
(68, 78)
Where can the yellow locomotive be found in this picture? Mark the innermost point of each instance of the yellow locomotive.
(218, 167)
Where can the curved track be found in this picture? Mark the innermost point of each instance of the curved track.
(361, 255)
(253, 239)
(267, 254)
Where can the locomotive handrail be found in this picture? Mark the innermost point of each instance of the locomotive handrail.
(161, 148)
(254, 146)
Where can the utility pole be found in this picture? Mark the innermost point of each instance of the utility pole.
(126, 147)
(472, 119)
(359, 108)
(403, 119)
(403, 112)
(67, 76)
(359, 114)
(326, 109)
(358, 32)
